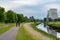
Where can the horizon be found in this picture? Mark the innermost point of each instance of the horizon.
(36, 8)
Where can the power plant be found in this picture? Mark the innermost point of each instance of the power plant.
(52, 13)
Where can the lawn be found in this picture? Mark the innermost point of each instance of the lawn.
(55, 25)
(5, 27)
(2, 25)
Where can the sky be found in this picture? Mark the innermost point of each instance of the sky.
(36, 8)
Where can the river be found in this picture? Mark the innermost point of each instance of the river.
(46, 29)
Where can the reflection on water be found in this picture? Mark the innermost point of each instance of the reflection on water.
(42, 27)
(48, 30)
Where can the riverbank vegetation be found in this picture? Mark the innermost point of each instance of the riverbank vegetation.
(54, 25)
(44, 33)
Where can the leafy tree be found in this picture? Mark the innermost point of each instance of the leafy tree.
(25, 19)
(20, 18)
(2, 16)
(11, 16)
(32, 19)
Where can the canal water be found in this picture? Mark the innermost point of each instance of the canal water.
(46, 29)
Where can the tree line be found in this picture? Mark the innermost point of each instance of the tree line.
(51, 20)
(13, 17)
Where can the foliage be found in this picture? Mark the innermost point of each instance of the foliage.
(26, 19)
(32, 19)
(57, 20)
(11, 16)
(20, 18)
(54, 25)
(2, 16)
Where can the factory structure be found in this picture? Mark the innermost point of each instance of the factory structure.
(52, 14)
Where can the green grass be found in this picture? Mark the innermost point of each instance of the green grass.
(24, 35)
(55, 25)
(44, 33)
(2, 25)
(4, 29)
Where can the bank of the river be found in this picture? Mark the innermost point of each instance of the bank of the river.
(54, 25)
(44, 33)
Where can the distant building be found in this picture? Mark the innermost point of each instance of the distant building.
(52, 13)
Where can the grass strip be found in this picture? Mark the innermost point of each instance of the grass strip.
(2, 30)
(55, 25)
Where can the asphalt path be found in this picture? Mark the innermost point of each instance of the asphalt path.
(10, 34)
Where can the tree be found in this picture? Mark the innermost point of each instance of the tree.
(2, 16)
(11, 16)
(25, 19)
(20, 18)
(32, 19)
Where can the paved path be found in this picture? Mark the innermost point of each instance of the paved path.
(34, 33)
(10, 35)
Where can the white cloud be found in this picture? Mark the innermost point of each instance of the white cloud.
(25, 2)
(45, 1)
(32, 2)
(30, 11)
(19, 3)
(8, 5)
(49, 6)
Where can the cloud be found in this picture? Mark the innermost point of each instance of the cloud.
(49, 6)
(30, 7)
(25, 2)
(17, 3)
(8, 5)
(11, 4)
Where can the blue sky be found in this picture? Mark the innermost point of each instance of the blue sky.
(36, 8)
